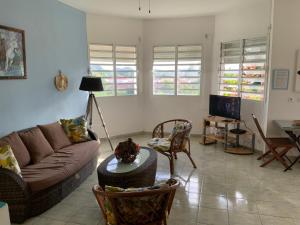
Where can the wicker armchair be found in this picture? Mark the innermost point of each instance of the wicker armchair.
(180, 142)
(139, 207)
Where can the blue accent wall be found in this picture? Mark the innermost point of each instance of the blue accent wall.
(56, 39)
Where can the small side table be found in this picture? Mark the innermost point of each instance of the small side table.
(4, 214)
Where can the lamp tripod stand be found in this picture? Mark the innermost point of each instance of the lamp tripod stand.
(89, 115)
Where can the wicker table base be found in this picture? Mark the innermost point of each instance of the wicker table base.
(142, 176)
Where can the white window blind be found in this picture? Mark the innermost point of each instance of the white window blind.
(188, 70)
(176, 70)
(102, 65)
(243, 68)
(117, 66)
(230, 68)
(254, 69)
(126, 70)
(164, 70)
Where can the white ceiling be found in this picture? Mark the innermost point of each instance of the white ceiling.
(159, 8)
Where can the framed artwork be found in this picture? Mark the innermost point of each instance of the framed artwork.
(280, 79)
(12, 53)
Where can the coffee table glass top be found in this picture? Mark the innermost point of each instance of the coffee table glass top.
(114, 166)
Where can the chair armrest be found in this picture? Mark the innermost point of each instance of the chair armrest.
(100, 197)
(13, 189)
(93, 135)
(158, 131)
(179, 141)
(174, 184)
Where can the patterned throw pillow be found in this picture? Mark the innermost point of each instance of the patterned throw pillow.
(177, 128)
(111, 220)
(108, 209)
(76, 129)
(8, 160)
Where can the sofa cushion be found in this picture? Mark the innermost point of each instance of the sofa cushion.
(36, 143)
(2, 142)
(55, 135)
(81, 153)
(160, 144)
(59, 166)
(19, 149)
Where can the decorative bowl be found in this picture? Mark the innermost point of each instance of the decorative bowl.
(127, 151)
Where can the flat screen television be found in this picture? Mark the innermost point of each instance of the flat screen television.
(225, 106)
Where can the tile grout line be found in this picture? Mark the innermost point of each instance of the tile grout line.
(261, 222)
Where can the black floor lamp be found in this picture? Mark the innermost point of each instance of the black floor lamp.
(90, 84)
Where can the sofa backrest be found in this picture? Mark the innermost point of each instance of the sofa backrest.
(19, 149)
(36, 143)
(32, 144)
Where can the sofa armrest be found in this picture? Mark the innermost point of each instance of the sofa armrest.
(13, 189)
(93, 135)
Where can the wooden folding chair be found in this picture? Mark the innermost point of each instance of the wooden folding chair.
(277, 147)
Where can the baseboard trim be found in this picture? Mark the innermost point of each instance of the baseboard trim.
(140, 133)
(150, 133)
(125, 135)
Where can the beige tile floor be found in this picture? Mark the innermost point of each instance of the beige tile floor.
(224, 190)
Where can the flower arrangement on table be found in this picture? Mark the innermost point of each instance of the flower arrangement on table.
(127, 151)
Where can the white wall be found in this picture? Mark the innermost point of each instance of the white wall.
(249, 22)
(143, 112)
(177, 31)
(286, 40)
(122, 115)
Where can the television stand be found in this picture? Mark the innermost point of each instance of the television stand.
(237, 131)
(227, 121)
(229, 137)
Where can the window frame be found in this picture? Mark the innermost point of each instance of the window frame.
(176, 69)
(114, 60)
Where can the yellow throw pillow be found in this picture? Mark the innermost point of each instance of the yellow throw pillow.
(8, 160)
(76, 129)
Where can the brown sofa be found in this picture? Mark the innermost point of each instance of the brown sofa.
(51, 167)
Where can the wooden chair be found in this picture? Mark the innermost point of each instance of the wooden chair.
(278, 147)
(180, 142)
(146, 207)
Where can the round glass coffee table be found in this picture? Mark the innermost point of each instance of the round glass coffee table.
(140, 173)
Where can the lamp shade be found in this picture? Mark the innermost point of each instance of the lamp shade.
(91, 83)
